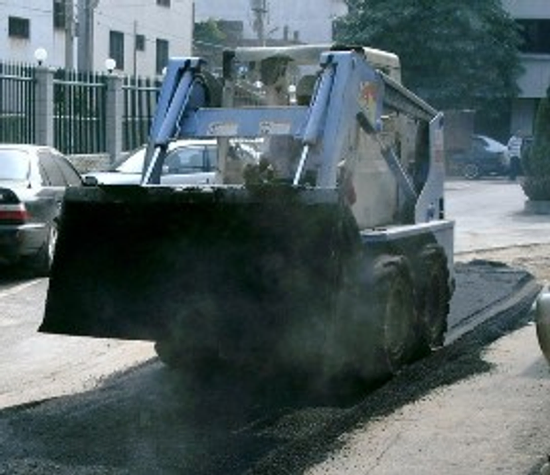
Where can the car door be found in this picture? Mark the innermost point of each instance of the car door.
(70, 174)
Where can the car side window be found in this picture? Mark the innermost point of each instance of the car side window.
(51, 173)
(69, 173)
(477, 145)
(211, 157)
(185, 160)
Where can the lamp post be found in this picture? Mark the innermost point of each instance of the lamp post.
(40, 55)
(110, 65)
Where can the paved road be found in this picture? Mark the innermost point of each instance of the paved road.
(495, 421)
(117, 410)
(490, 214)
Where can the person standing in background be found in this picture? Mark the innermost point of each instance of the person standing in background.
(514, 151)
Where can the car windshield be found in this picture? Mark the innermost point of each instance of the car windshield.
(491, 144)
(180, 160)
(134, 162)
(14, 165)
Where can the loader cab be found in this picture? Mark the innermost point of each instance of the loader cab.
(384, 61)
(284, 77)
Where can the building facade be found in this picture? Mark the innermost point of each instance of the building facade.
(534, 17)
(82, 34)
(303, 21)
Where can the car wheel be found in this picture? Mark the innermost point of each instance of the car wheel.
(471, 171)
(44, 259)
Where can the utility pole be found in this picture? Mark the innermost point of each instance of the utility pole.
(69, 35)
(259, 8)
(86, 34)
(135, 48)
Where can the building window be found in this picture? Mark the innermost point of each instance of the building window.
(140, 42)
(163, 3)
(59, 7)
(116, 48)
(19, 27)
(536, 36)
(162, 55)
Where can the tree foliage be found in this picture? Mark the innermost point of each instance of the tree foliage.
(455, 54)
(209, 40)
(208, 34)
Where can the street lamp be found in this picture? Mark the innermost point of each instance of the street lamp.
(110, 64)
(40, 55)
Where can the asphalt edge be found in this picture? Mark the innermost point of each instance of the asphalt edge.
(464, 351)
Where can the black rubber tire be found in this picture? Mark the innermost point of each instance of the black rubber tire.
(42, 262)
(471, 171)
(167, 353)
(395, 300)
(542, 320)
(434, 295)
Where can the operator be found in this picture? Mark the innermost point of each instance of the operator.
(514, 151)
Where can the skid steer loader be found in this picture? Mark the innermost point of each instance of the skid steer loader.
(330, 254)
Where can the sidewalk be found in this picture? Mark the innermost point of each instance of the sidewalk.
(496, 421)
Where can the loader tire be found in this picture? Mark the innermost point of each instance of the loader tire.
(168, 354)
(542, 320)
(434, 295)
(395, 299)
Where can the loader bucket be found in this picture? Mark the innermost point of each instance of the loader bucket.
(139, 262)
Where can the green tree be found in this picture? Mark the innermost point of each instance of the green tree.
(536, 160)
(455, 54)
(208, 40)
(208, 33)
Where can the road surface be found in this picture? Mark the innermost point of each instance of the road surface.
(86, 406)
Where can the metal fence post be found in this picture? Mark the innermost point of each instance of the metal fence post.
(44, 100)
(114, 116)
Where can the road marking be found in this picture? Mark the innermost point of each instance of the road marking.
(18, 288)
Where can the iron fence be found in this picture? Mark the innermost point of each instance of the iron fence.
(140, 99)
(79, 112)
(17, 105)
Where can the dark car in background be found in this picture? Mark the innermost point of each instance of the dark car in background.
(33, 180)
(484, 157)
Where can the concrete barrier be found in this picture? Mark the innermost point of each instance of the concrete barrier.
(90, 162)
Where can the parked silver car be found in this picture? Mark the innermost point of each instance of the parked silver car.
(33, 180)
(188, 162)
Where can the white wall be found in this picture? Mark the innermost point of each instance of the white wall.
(311, 18)
(39, 12)
(527, 9)
(174, 24)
